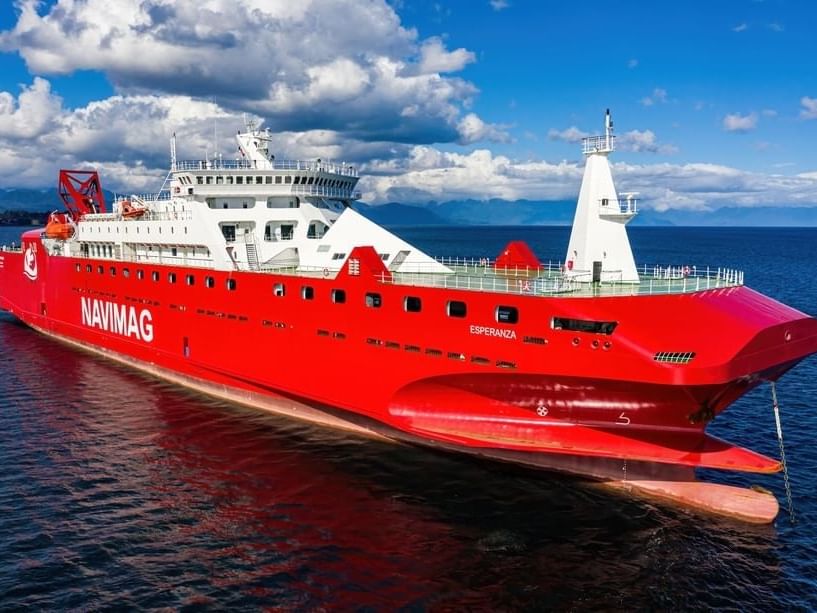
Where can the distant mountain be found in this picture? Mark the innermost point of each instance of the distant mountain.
(29, 199)
(396, 214)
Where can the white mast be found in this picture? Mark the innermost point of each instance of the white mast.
(599, 249)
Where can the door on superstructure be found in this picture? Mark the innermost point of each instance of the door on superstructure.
(229, 232)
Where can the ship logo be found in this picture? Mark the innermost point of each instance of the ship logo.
(30, 262)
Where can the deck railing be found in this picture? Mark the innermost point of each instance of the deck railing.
(308, 165)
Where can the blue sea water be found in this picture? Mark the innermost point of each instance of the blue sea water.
(119, 490)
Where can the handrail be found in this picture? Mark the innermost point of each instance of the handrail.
(346, 170)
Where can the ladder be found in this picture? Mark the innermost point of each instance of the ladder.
(252, 256)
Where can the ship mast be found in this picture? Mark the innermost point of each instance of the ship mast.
(599, 249)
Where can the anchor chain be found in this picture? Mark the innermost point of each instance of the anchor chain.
(786, 482)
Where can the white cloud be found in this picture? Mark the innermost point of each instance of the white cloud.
(434, 58)
(809, 110)
(568, 135)
(776, 27)
(659, 95)
(499, 5)
(633, 63)
(314, 64)
(735, 122)
(429, 174)
(741, 27)
(31, 113)
(643, 142)
(472, 129)
(769, 113)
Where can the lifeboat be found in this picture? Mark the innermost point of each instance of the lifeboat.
(59, 226)
(131, 211)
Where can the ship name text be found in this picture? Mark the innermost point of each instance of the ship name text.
(118, 319)
(498, 332)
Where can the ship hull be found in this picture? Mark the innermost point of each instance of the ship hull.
(581, 403)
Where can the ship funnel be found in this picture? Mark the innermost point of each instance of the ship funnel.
(599, 248)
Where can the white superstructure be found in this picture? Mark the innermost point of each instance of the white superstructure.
(253, 213)
(599, 249)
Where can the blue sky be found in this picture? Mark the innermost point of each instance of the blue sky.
(714, 102)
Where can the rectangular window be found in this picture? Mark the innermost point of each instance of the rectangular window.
(373, 300)
(583, 325)
(338, 296)
(259, 180)
(307, 292)
(231, 284)
(455, 308)
(229, 179)
(239, 180)
(279, 289)
(209, 180)
(412, 304)
(507, 314)
(277, 179)
(288, 179)
(268, 179)
(200, 180)
(297, 180)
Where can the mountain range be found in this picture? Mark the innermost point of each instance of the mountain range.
(497, 212)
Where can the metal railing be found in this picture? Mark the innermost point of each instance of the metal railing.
(346, 170)
(620, 206)
(593, 144)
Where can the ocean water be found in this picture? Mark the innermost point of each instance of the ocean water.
(119, 490)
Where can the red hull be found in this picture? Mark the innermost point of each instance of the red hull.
(430, 375)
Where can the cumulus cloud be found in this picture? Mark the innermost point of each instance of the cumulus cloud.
(315, 64)
(499, 5)
(427, 173)
(735, 122)
(809, 110)
(568, 135)
(472, 129)
(741, 27)
(30, 114)
(643, 142)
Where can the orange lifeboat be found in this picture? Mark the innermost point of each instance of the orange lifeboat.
(129, 211)
(59, 227)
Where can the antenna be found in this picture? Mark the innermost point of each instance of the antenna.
(608, 128)
(215, 131)
(173, 152)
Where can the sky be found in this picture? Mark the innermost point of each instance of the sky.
(714, 103)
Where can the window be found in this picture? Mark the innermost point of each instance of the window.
(338, 256)
(279, 289)
(239, 180)
(200, 180)
(268, 180)
(338, 296)
(412, 304)
(582, 325)
(171, 277)
(209, 180)
(288, 179)
(209, 282)
(455, 308)
(140, 274)
(154, 275)
(507, 314)
(231, 284)
(373, 300)
(100, 270)
(173, 250)
(113, 271)
(259, 180)
(88, 268)
(307, 292)
(277, 179)
(190, 280)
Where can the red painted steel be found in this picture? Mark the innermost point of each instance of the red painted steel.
(470, 381)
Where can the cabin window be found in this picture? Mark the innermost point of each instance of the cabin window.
(209, 282)
(338, 296)
(231, 284)
(140, 274)
(78, 267)
(229, 233)
(229, 180)
(277, 179)
(88, 268)
(173, 250)
(279, 289)
(307, 292)
(100, 270)
(190, 280)
(126, 272)
(239, 180)
(412, 304)
(249, 180)
(338, 256)
(171, 277)
(268, 179)
(259, 180)
(200, 180)
(209, 180)
(507, 314)
(297, 180)
(455, 308)
(373, 300)
(113, 271)
(584, 325)
(288, 179)
(154, 275)
(219, 180)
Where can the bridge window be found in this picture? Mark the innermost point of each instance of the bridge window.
(316, 229)
(297, 180)
(268, 179)
(507, 314)
(338, 296)
(584, 325)
(455, 308)
(373, 300)
(412, 304)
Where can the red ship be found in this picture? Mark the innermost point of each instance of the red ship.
(256, 281)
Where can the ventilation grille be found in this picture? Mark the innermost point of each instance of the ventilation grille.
(674, 357)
